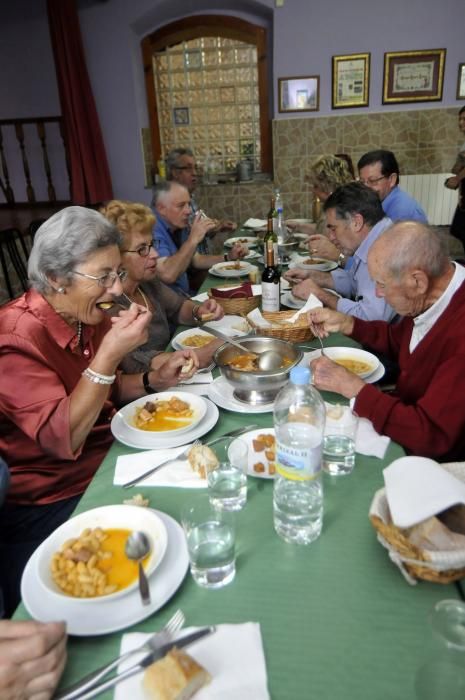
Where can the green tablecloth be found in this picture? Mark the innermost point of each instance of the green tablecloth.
(338, 620)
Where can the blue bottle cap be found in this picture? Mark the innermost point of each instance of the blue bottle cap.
(300, 375)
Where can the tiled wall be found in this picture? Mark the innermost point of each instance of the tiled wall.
(424, 141)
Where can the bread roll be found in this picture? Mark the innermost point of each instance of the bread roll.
(188, 366)
(202, 460)
(175, 677)
(207, 317)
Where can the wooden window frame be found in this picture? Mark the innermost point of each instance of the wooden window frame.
(209, 26)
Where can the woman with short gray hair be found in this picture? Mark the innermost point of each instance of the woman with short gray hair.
(60, 383)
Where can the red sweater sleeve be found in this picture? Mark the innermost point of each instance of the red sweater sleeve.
(432, 426)
(381, 336)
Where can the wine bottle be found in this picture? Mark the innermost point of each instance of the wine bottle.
(271, 235)
(271, 277)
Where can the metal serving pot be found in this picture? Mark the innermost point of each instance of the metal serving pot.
(257, 387)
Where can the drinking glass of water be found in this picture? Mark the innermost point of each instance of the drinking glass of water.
(441, 676)
(339, 440)
(227, 484)
(210, 536)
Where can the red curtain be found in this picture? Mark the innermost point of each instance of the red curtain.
(90, 175)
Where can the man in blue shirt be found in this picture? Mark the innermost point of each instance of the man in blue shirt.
(176, 242)
(379, 170)
(354, 220)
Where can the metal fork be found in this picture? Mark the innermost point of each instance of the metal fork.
(174, 624)
(317, 335)
(182, 456)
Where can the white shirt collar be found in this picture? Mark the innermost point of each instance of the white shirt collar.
(425, 321)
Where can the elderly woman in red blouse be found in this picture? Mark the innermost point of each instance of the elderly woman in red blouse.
(59, 383)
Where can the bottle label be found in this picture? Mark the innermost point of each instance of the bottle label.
(270, 296)
(298, 463)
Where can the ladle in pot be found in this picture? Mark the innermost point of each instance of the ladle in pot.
(266, 361)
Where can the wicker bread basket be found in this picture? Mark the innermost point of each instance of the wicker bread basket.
(413, 561)
(240, 305)
(292, 332)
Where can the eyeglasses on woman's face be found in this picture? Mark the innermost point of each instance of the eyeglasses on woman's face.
(144, 249)
(107, 280)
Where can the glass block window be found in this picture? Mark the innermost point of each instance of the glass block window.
(206, 92)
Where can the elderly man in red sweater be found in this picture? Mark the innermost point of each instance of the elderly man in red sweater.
(426, 412)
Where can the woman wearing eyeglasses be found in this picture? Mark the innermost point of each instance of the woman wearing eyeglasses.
(169, 309)
(59, 379)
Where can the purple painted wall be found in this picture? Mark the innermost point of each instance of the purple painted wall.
(305, 36)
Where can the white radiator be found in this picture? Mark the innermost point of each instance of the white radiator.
(438, 202)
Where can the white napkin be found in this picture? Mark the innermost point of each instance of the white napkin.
(178, 473)
(311, 303)
(368, 442)
(200, 297)
(418, 488)
(254, 223)
(198, 384)
(258, 320)
(233, 655)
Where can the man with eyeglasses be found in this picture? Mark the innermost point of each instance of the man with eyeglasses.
(181, 167)
(177, 242)
(379, 170)
(354, 220)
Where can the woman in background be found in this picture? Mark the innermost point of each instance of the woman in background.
(326, 174)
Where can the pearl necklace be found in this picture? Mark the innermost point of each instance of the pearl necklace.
(79, 332)
(131, 301)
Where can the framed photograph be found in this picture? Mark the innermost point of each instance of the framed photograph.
(413, 76)
(461, 82)
(351, 80)
(299, 94)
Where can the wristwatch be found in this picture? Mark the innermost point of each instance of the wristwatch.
(195, 310)
(145, 381)
(341, 259)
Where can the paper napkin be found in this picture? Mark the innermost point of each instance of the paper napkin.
(198, 384)
(368, 442)
(311, 303)
(233, 656)
(255, 223)
(418, 488)
(178, 473)
(200, 297)
(257, 319)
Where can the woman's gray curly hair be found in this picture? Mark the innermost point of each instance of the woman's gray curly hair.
(65, 241)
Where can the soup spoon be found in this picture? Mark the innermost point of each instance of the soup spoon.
(137, 547)
(266, 360)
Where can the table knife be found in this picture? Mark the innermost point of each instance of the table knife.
(141, 477)
(141, 665)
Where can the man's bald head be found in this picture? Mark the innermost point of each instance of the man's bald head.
(410, 245)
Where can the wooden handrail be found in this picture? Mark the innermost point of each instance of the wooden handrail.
(6, 186)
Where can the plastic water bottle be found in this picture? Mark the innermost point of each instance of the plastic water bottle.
(299, 420)
(278, 201)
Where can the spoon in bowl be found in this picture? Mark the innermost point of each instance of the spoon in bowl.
(137, 547)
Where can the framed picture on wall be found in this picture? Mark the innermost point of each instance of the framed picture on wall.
(351, 80)
(413, 76)
(299, 94)
(461, 82)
